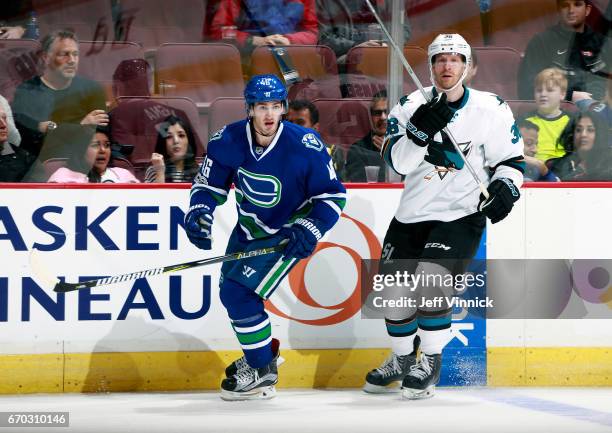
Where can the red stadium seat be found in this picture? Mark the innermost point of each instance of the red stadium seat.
(155, 22)
(201, 72)
(343, 121)
(99, 60)
(51, 165)
(135, 119)
(367, 70)
(224, 111)
(19, 61)
(497, 71)
(515, 22)
(432, 17)
(89, 19)
(316, 65)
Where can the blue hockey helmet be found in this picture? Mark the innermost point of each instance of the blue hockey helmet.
(265, 88)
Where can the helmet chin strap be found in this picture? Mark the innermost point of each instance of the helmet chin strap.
(457, 84)
(257, 131)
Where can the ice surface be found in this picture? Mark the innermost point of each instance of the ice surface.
(454, 410)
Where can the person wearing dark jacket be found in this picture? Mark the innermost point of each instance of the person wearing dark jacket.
(366, 152)
(347, 23)
(14, 161)
(14, 19)
(572, 46)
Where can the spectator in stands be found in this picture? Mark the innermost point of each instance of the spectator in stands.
(603, 109)
(132, 78)
(583, 54)
(174, 157)
(366, 152)
(43, 104)
(89, 163)
(13, 133)
(303, 113)
(306, 114)
(588, 156)
(535, 169)
(473, 69)
(14, 161)
(344, 24)
(550, 86)
(267, 22)
(135, 122)
(16, 20)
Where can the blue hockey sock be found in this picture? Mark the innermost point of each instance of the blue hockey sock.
(255, 337)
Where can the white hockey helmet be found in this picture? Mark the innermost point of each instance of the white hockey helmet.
(450, 43)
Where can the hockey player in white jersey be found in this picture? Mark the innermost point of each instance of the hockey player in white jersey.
(441, 214)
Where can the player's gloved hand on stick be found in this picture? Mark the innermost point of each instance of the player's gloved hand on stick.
(198, 226)
(428, 120)
(303, 236)
(444, 154)
(502, 195)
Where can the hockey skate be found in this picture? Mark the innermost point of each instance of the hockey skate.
(387, 377)
(240, 364)
(251, 383)
(423, 377)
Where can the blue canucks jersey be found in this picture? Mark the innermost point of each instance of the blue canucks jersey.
(293, 177)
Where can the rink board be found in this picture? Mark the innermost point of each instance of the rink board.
(171, 332)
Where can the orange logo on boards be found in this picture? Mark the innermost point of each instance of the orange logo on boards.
(343, 310)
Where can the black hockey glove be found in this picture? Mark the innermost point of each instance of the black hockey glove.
(502, 195)
(428, 120)
(444, 154)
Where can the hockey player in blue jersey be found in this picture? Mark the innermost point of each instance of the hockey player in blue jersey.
(286, 189)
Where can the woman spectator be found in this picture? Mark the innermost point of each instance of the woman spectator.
(588, 156)
(174, 156)
(91, 164)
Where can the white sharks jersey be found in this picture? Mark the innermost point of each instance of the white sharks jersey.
(486, 132)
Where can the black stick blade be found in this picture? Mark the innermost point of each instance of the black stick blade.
(62, 287)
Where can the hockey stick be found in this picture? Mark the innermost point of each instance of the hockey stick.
(63, 287)
(417, 82)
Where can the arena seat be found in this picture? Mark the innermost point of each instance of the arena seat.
(19, 61)
(135, 119)
(316, 65)
(201, 72)
(497, 71)
(89, 19)
(343, 121)
(224, 111)
(367, 70)
(155, 22)
(99, 60)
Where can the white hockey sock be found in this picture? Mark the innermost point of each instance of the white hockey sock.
(403, 345)
(432, 342)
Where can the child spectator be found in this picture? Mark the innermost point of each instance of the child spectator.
(550, 88)
(91, 164)
(588, 156)
(535, 169)
(174, 157)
